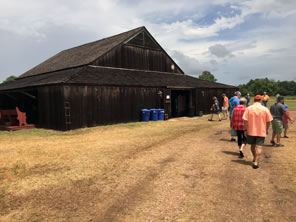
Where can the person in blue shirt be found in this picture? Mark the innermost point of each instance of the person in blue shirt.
(233, 102)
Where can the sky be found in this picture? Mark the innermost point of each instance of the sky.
(235, 40)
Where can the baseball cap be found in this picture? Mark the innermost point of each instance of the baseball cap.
(280, 98)
(258, 97)
(286, 107)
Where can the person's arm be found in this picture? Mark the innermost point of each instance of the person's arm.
(288, 117)
(246, 118)
(269, 118)
(246, 127)
(267, 127)
(212, 107)
(231, 122)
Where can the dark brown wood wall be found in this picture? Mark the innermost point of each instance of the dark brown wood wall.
(132, 57)
(51, 114)
(204, 98)
(96, 105)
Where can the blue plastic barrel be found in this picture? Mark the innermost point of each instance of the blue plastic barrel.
(145, 115)
(153, 114)
(161, 114)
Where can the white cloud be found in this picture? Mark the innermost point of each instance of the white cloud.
(190, 66)
(219, 51)
(173, 23)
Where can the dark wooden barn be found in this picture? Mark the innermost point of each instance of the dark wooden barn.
(108, 81)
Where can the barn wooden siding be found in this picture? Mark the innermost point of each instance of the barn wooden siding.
(90, 105)
(97, 105)
(51, 112)
(130, 57)
(204, 98)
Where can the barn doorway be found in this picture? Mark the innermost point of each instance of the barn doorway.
(25, 100)
(180, 103)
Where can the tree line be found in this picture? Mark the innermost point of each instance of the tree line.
(258, 86)
(271, 87)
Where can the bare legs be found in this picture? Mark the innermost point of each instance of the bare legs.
(242, 147)
(212, 115)
(225, 114)
(256, 151)
(285, 132)
(277, 136)
(253, 149)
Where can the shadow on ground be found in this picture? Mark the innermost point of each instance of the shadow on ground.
(227, 140)
(244, 162)
(230, 153)
(267, 145)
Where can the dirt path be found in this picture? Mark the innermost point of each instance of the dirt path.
(192, 176)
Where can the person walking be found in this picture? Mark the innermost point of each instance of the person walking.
(278, 111)
(225, 106)
(286, 121)
(233, 102)
(257, 120)
(215, 109)
(248, 100)
(265, 99)
(237, 123)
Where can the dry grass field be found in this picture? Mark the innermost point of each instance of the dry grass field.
(178, 170)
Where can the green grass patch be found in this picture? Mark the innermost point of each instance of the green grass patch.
(46, 133)
(289, 100)
(290, 97)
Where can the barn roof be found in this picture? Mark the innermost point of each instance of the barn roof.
(83, 54)
(107, 76)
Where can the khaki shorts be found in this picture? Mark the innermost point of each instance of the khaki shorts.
(277, 126)
(286, 126)
(255, 140)
(224, 109)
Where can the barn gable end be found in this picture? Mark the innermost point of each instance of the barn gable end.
(142, 52)
(114, 51)
(143, 39)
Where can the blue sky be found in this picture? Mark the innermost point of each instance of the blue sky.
(235, 40)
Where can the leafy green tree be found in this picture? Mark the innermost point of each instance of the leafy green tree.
(206, 75)
(258, 86)
(287, 88)
(10, 78)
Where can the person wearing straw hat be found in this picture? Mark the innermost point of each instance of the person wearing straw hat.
(265, 99)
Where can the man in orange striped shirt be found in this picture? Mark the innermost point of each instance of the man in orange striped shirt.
(257, 120)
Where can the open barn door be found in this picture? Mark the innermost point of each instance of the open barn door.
(180, 103)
